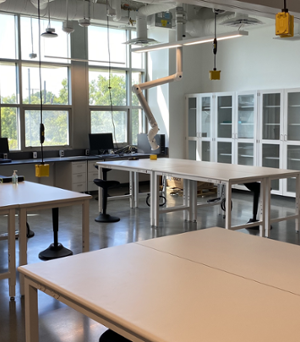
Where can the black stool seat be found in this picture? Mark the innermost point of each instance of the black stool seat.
(111, 336)
(105, 185)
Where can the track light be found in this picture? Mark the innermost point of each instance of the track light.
(67, 26)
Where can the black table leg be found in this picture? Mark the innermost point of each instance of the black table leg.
(56, 249)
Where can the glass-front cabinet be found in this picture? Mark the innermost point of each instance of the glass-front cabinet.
(271, 132)
(291, 138)
(199, 127)
(247, 128)
(224, 128)
(246, 133)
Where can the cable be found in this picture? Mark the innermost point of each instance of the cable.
(42, 129)
(109, 74)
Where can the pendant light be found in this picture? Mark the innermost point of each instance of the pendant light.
(50, 32)
(32, 55)
(85, 21)
(67, 25)
(215, 74)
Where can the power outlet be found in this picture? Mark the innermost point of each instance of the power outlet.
(34, 155)
(61, 153)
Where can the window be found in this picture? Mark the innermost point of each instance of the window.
(54, 84)
(110, 122)
(99, 87)
(8, 36)
(56, 124)
(20, 86)
(113, 106)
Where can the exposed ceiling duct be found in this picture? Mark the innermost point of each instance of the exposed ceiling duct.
(141, 22)
(241, 20)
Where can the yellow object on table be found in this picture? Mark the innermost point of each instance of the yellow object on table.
(153, 156)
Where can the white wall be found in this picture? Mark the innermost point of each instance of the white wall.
(254, 62)
(158, 67)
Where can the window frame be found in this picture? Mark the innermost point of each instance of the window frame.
(22, 107)
(129, 107)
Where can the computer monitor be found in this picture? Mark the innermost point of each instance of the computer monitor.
(4, 149)
(101, 143)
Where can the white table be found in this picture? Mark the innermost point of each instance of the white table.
(192, 171)
(209, 285)
(27, 196)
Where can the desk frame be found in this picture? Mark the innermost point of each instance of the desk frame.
(190, 193)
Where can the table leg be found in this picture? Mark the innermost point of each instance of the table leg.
(22, 245)
(100, 204)
(11, 254)
(228, 206)
(193, 200)
(136, 186)
(56, 249)
(262, 208)
(31, 313)
(131, 190)
(154, 199)
(297, 209)
(267, 208)
(186, 200)
(85, 226)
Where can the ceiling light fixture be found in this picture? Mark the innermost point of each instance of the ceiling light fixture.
(67, 25)
(85, 21)
(192, 41)
(50, 32)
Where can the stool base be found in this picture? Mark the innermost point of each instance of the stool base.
(54, 252)
(106, 218)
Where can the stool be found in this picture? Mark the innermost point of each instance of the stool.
(105, 185)
(111, 336)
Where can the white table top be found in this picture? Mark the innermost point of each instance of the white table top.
(28, 193)
(269, 262)
(159, 296)
(207, 170)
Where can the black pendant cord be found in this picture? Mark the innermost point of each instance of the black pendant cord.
(109, 74)
(42, 130)
(215, 44)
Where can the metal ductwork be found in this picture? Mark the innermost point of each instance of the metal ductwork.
(141, 22)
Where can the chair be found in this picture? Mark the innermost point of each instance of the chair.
(111, 336)
(105, 185)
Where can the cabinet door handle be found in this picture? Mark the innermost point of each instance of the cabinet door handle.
(285, 137)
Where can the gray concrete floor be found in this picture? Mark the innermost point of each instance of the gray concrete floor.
(60, 323)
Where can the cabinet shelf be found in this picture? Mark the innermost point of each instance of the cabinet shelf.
(295, 106)
(294, 159)
(246, 156)
(225, 107)
(205, 108)
(272, 106)
(226, 123)
(246, 107)
(272, 124)
(225, 154)
(294, 124)
(246, 123)
(272, 158)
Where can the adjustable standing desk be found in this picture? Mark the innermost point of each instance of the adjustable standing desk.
(208, 285)
(27, 196)
(192, 171)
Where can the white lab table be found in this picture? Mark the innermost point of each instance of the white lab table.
(232, 287)
(27, 196)
(192, 171)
